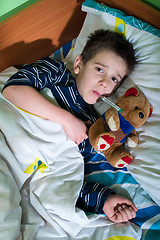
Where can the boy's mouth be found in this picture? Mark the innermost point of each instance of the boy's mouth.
(96, 93)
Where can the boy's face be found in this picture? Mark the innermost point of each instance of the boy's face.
(100, 75)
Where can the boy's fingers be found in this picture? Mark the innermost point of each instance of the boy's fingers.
(130, 203)
(129, 211)
(114, 218)
(86, 136)
(124, 213)
(119, 217)
(82, 139)
(134, 207)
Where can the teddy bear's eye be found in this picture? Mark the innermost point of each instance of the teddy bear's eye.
(141, 115)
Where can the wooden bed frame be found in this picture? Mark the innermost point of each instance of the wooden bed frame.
(39, 30)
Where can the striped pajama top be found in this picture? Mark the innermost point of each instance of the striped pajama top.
(53, 74)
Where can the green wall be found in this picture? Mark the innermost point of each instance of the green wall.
(10, 7)
(153, 3)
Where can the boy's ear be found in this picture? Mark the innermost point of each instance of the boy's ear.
(77, 64)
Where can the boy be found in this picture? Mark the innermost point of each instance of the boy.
(105, 61)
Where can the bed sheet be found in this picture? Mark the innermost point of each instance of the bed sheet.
(44, 170)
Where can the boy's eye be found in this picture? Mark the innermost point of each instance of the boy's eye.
(99, 69)
(114, 80)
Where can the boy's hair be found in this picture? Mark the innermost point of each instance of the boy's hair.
(106, 39)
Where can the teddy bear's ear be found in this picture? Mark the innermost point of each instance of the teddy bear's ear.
(131, 91)
(151, 110)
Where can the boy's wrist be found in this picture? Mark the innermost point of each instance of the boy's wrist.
(103, 200)
(109, 195)
(66, 117)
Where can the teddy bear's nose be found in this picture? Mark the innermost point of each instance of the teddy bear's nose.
(141, 115)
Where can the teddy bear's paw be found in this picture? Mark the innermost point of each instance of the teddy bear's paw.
(112, 124)
(131, 143)
(105, 142)
(124, 161)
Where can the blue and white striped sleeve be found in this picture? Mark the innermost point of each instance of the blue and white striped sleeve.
(93, 196)
(43, 73)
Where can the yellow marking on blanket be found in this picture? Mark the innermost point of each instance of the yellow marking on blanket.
(37, 164)
(28, 112)
(120, 238)
(120, 26)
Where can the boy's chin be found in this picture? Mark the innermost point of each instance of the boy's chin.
(89, 101)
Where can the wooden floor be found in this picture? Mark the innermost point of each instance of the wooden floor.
(39, 31)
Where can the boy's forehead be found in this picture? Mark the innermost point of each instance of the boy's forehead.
(106, 58)
(104, 55)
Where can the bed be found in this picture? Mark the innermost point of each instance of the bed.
(38, 185)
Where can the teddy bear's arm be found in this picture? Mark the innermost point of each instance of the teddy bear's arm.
(99, 135)
(132, 139)
(112, 119)
(96, 130)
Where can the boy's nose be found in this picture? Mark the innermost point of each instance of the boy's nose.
(103, 83)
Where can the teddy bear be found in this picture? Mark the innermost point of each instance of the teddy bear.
(113, 129)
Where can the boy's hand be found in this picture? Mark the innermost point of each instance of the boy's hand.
(119, 209)
(75, 129)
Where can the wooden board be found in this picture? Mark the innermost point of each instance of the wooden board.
(40, 30)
